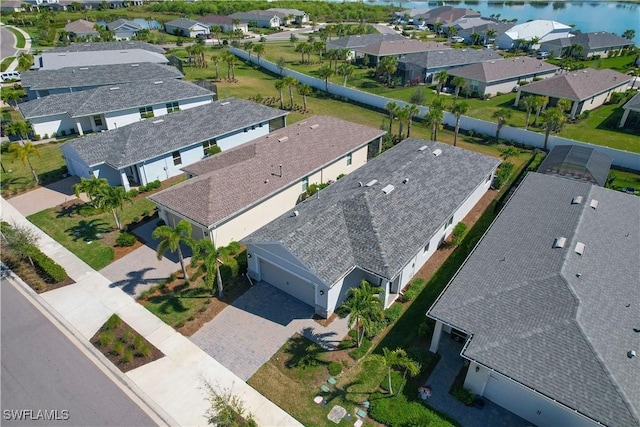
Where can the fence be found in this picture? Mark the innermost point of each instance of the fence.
(621, 158)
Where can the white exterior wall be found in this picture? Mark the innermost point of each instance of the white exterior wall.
(162, 168)
(75, 164)
(118, 119)
(598, 100)
(240, 137)
(48, 125)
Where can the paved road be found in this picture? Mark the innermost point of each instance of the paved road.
(43, 370)
(6, 43)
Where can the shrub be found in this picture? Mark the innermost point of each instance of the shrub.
(113, 322)
(340, 176)
(424, 329)
(462, 394)
(179, 324)
(143, 350)
(88, 210)
(46, 136)
(145, 213)
(126, 239)
(127, 357)
(393, 313)
(334, 368)
(243, 265)
(504, 171)
(127, 336)
(458, 233)
(118, 348)
(359, 352)
(134, 192)
(142, 188)
(397, 382)
(376, 328)
(414, 289)
(397, 411)
(105, 338)
(137, 341)
(346, 343)
(48, 269)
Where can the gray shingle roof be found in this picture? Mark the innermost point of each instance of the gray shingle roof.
(633, 103)
(398, 47)
(350, 225)
(55, 60)
(112, 98)
(503, 69)
(599, 40)
(547, 317)
(449, 57)
(102, 46)
(362, 40)
(579, 85)
(154, 137)
(119, 23)
(184, 23)
(576, 162)
(98, 75)
(242, 177)
(81, 26)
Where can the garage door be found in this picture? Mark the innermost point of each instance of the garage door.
(287, 282)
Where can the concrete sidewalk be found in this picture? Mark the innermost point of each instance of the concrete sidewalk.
(174, 382)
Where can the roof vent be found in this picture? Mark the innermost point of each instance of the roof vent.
(388, 189)
(576, 200)
(579, 248)
(371, 183)
(295, 213)
(631, 354)
(424, 147)
(559, 242)
(158, 82)
(404, 181)
(594, 204)
(114, 88)
(437, 152)
(360, 184)
(283, 139)
(316, 126)
(157, 121)
(225, 103)
(135, 65)
(83, 68)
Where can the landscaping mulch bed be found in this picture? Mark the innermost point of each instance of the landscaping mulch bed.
(23, 269)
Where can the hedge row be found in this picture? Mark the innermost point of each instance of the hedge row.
(47, 268)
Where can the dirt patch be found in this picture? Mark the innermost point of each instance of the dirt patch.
(324, 322)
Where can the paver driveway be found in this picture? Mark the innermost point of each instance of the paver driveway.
(246, 334)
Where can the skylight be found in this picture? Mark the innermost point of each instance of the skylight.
(388, 189)
(579, 248)
(560, 242)
(594, 204)
(576, 200)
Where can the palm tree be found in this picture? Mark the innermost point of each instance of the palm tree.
(441, 76)
(475, 38)
(403, 116)
(434, 119)
(534, 41)
(345, 70)
(388, 65)
(333, 55)
(304, 90)
(398, 359)
(539, 103)
(293, 39)
(452, 31)
(281, 62)
(279, 84)
(90, 186)
(112, 198)
(25, 61)
(319, 47)
(437, 27)
(301, 48)
(458, 109)
(259, 49)
(364, 308)
(23, 152)
(19, 128)
(629, 34)
(573, 51)
(324, 73)
(230, 59)
(204, 250)
(564, 105)
(413, 111)
(553, 119)
(307, 49)
(290, 82)
(489, 33)
(216, 30)
(392, 108)
(215, 59)
(503, 114)
(12, 95)
(458, 82)
(172, 238)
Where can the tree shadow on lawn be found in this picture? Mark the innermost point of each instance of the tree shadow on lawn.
(304, 353)
(88, 231)
(172, 303)
(8, 183)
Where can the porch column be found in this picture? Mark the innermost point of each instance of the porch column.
(125, 180)
(79, 127)
(515, 103)
(435, 339)
(623, 120)
(574, 109)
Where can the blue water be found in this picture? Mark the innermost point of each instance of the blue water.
(587, 16)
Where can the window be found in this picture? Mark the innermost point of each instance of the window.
(97, 120)
(208, 144)
(426, 247)
(349, 159)
(146, 112)
(305, 183)
(172, 107)
(177, 160)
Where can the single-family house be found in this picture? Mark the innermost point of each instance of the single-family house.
(420, 67)
(235, 192)
(586, 89)
(502, 75)
(258, 18)
(81, 28)
(601, 43)
(359, 41)
(631, 109)
(158, 149)
(225, 23)
(291, 16)
(532, 33)
(40, 83)
(487, 28)
(446, 16)
(88, 54)
(186, 28)
(10, 6)
(409, 16)
(394, 48)
(111, 107)
(547, 304)
(577, 162)
(124, 29)
(381, 223)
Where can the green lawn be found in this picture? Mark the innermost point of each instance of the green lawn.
(16, 176)
(6, 62)
(624, 179)
(20, 41)
(619, 63)
(177, 307)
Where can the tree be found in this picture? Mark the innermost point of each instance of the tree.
(441, 76)
(304, 90)
(230, 59)
(226, 410)
(388, 65)
(573, 51)
(413, 111)
(503, 114)
(204, 250)
(364, 308)
(19, 240)
(319, 48)
(529, 104)
(290, 82)
(438, 27)
(23, 152)
(490, 34)
(403, 116)
(112, 198)
(279, 84)
(293, 39)
(172, 238)
(25, 61)
(539, 102)
(281, 62)
(458, 82)
(392, 109)
(418, 96)
(452, 31)
(216, 30)
(333, 55)
(90, 186)
(215, 59)
(552, 119)
(19, 128)
(302, 49)
(11, 94)
(564, 105)
(458, 109)
(434, 119)
(398, 359)
(345, 70)
(324, 73)
(629, 34)
(534, 41)
(259, 49)
(475, 38)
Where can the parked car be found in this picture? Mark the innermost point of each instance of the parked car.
(542, 54)
(10, 76)
(457, 39)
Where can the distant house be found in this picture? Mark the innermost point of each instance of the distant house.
(187, 28)
(235, 192)
(88, 54)
(540, 29)
(380, 223)
(10, 6)
(503, 75)
(467, 27)
(40, 83)
(420, 67)
(225, 23)
(395, 48)
(81, 28)
(409, 16)
(631, 109)
(111, 107)
(586, 89)
(352, 43)
(259, 18)
(158, 149)
(124, 29)
(578, 163)
(291, 16)
(600, 43)
(446, 16)
(544, 306)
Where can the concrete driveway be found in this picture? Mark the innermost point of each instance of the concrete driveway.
(246, 334)
(45, 197)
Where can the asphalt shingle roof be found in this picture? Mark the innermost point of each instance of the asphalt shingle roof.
(236, 179)
(579, 85)
(449, 57)
(55, 60)
(398, 47)
(362, 40)
(599, 40)
(81, 26)
(112, 98)
(119, 23)
(98, 75)
(349, 225)
(102, 46)
(183, 23)
(503, 69)
(633, 103)
(553, 320)
(577, 162)
(154, 137)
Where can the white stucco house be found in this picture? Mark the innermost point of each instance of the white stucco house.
(380, 223)
(186, 27)
(547, 304)
(232, 194)
(542, 30)
(259, 18)
(291, 16)
(225, 23)
(158, 148)
(111, 107)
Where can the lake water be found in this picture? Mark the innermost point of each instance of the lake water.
(587, 16)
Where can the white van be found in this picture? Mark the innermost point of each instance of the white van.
(9, 76)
